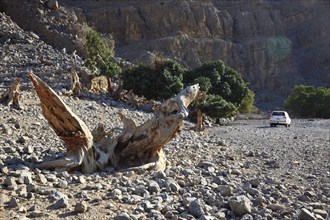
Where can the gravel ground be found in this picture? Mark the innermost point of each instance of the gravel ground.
(244, 170)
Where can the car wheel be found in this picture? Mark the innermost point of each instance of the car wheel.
(271, 125)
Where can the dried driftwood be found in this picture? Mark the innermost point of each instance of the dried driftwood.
(136, 146)
(11, 95)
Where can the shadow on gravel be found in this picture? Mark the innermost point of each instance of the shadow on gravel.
(67, 214)
(265, 126)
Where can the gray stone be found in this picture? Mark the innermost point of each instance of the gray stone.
(321, 212)
(30, 196)
(61, 203)
(10, 181)
(225, 190)
(4, 170)
(240, 205)
(255, 183)
(236, 172)
(310, 194)
(206, 164)
(62, 184)
(42, 179)
(141, 191)
(52, 4)
(6, 129)
(317, 205)
(81, 179)
(56, 195)
(160, 175)
(188, 200)
(116, 194)
(43, 190)
(247, 217)
(51, 177)
(12, 203)
(303, 198)
(28, 149)
(148, 206)
(153, 187)
(276, 207)
(196, 207)
(38, 214)
(306, 215)
(123, 216)
(81, 207)
(208, 217)
(22, 192)
(172, 185)
(252, 191)
(23, 139)
(25, 177)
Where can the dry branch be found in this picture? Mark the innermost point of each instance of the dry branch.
(11, 95)
(136, 146)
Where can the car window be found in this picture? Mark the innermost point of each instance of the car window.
(278, 114)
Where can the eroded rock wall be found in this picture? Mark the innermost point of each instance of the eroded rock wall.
(274, 44)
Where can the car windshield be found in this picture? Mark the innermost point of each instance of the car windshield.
(278, 114)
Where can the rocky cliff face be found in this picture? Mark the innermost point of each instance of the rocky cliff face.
(274, 44)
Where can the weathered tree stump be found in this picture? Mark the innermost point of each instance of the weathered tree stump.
(75, 89)
(136, 146)
(11, 95)
(199, 125)
(99, 84)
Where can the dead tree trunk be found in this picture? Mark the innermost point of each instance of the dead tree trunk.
(136, 146)
(75, 84)
(68, 127)
(199, 126)
(11, 95)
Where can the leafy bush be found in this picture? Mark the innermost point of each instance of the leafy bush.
(247, 103)
(225, 87)
(162, 81)
(308, 101)
(216, 107)
(204, 83)
(99, 54)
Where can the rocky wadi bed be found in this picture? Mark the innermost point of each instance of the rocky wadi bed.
(244, 170)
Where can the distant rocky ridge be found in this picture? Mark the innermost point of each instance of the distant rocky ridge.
(274, 44)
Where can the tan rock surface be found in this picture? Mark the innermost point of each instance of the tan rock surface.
(274, 44)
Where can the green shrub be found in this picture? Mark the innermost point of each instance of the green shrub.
(99, 54)
(110, 69)
(308, 101)
(247, 103)
(212, 70)
(216, 107)
(162, 81)
(225, 87)
(204, 83)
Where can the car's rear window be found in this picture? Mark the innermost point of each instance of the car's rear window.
(278, 114)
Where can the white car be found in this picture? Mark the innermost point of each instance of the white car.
(279, 118)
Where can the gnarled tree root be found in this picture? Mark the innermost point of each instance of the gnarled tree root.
(138, 147)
